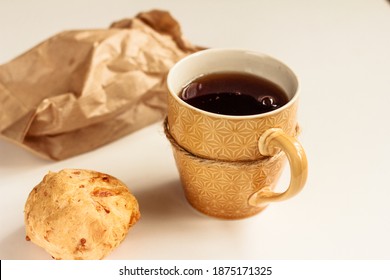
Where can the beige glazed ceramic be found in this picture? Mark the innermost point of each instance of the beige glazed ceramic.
(229, 165)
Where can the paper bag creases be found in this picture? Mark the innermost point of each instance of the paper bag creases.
(81, 89)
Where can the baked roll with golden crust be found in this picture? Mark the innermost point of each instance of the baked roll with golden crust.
(79, 214)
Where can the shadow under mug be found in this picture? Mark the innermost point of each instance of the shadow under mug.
(251, 149)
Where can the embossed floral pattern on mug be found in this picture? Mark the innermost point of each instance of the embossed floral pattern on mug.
(221, 189)
(224, 138)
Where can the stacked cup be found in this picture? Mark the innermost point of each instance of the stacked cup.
(229, 165)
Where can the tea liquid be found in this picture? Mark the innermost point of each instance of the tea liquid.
(231, 93)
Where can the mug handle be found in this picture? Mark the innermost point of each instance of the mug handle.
(270, 142)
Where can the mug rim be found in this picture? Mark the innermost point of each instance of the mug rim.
(232, 50)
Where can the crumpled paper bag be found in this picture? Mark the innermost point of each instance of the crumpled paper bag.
(81, 89)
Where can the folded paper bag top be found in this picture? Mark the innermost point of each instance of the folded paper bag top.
(81, 89)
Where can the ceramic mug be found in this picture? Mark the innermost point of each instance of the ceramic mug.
(229, 165)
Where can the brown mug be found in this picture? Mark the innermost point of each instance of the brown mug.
(229, 165)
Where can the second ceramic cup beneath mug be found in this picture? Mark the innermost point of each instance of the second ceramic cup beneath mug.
(230, 140)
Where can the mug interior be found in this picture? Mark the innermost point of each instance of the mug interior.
(231, 60)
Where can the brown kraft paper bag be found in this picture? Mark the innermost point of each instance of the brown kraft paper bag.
(81, 89)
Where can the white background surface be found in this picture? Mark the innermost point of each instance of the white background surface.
(340, 51)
